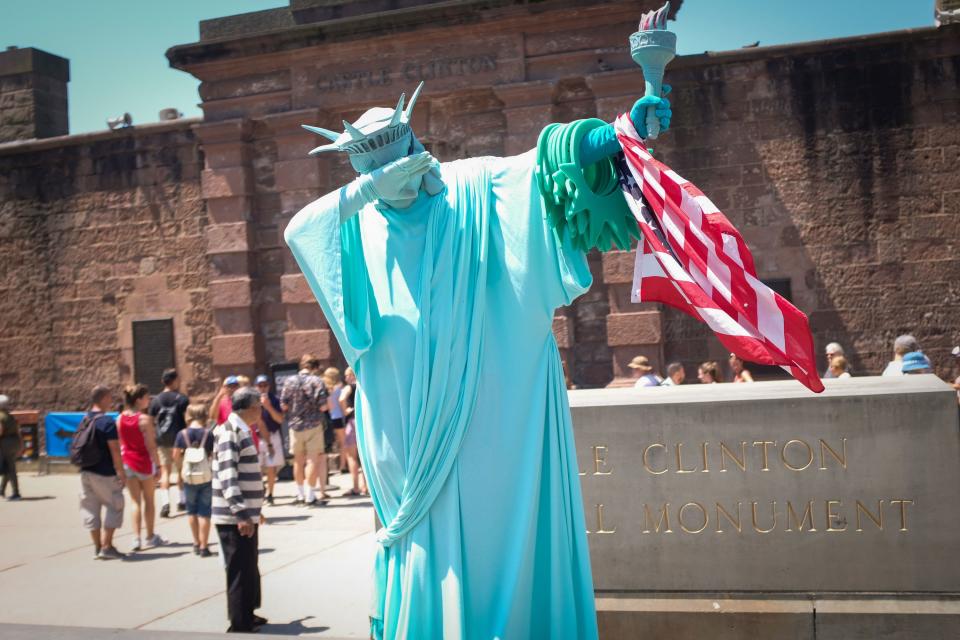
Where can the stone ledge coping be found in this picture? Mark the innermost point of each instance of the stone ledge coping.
(852, 606)
(777, 390)
(42, 144)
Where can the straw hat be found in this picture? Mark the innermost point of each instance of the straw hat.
(640, 362)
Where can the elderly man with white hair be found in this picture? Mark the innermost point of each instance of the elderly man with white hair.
(11, 448)
(833, 350)
(901, 346)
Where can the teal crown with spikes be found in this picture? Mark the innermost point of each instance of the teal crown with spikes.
(378, 137)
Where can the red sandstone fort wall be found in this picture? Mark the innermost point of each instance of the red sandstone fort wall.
(97, 231)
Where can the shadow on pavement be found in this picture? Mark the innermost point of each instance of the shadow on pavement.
(292, 628)
(282, 519)
(140, 556)
(33, 498)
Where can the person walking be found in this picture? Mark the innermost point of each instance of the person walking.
(167, 410)
(675, 375)
(832, 350)
(237, 500)
(138, 450)
(901, 346)
(11, 448)
(334, 382)
(271, 455)
(740, 372)
(193, 449)
(643, 373)
(221, 406)
(838, 367)
(347, 401)
(304, 399)
(709, 372)
(102, 477)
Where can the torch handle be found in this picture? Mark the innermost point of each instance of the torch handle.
(653, 122)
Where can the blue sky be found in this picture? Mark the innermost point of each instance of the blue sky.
(117, 63)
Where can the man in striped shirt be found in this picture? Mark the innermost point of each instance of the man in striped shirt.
(237, 497)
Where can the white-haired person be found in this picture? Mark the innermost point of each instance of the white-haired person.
(832, 350)
(901, 346)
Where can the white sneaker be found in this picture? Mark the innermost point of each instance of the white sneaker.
(156, 541)
(137, 546)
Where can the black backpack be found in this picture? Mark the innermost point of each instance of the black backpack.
(84, 450)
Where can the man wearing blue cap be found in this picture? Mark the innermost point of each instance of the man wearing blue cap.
(221, 406)
(916, 362)
(271, 453)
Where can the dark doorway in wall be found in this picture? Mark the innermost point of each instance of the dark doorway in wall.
(152, 351)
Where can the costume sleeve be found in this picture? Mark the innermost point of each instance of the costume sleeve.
(330, 254)
(543, 268)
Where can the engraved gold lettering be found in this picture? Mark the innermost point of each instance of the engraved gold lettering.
(677, 447)
(903, 512)
(703, 455)
(765, 444)
(824, 448)
(646, 461)
(600, 459)
(807, 513)
(878, 520)
(601, 527)
(725, 452)
(783, 455)
(737, 524)
(834, 517)
(664, 519)
(703, 511)
(773, 510)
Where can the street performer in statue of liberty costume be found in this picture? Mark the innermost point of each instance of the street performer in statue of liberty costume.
(440, 283)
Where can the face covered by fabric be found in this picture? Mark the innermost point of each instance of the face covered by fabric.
(381, 136)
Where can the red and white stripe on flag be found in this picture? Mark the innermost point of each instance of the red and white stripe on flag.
(691, 258)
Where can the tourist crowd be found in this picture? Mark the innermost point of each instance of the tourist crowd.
(223, 458)
(908, 358)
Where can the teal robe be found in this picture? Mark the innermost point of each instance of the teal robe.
(444, 310)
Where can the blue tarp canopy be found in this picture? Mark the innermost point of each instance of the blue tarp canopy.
(59, 429)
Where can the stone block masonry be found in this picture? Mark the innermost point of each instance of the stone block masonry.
(98, 231)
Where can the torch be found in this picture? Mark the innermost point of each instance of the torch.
(652, 47)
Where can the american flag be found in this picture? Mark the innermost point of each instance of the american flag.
(690, 257)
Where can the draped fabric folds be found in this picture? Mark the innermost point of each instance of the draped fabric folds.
(444, 310)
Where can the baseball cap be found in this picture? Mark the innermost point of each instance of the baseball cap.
(262, 378)
(231, 380)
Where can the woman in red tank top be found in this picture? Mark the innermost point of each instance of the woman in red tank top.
(138, 449)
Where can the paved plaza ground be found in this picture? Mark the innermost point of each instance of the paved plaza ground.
(315, 564)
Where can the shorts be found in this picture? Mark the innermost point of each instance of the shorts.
(276, 460)
(167, 459)
(198, 499)
(307, 442)
(350, 434)
(99, 493)
(336, 423)
(136, 474)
